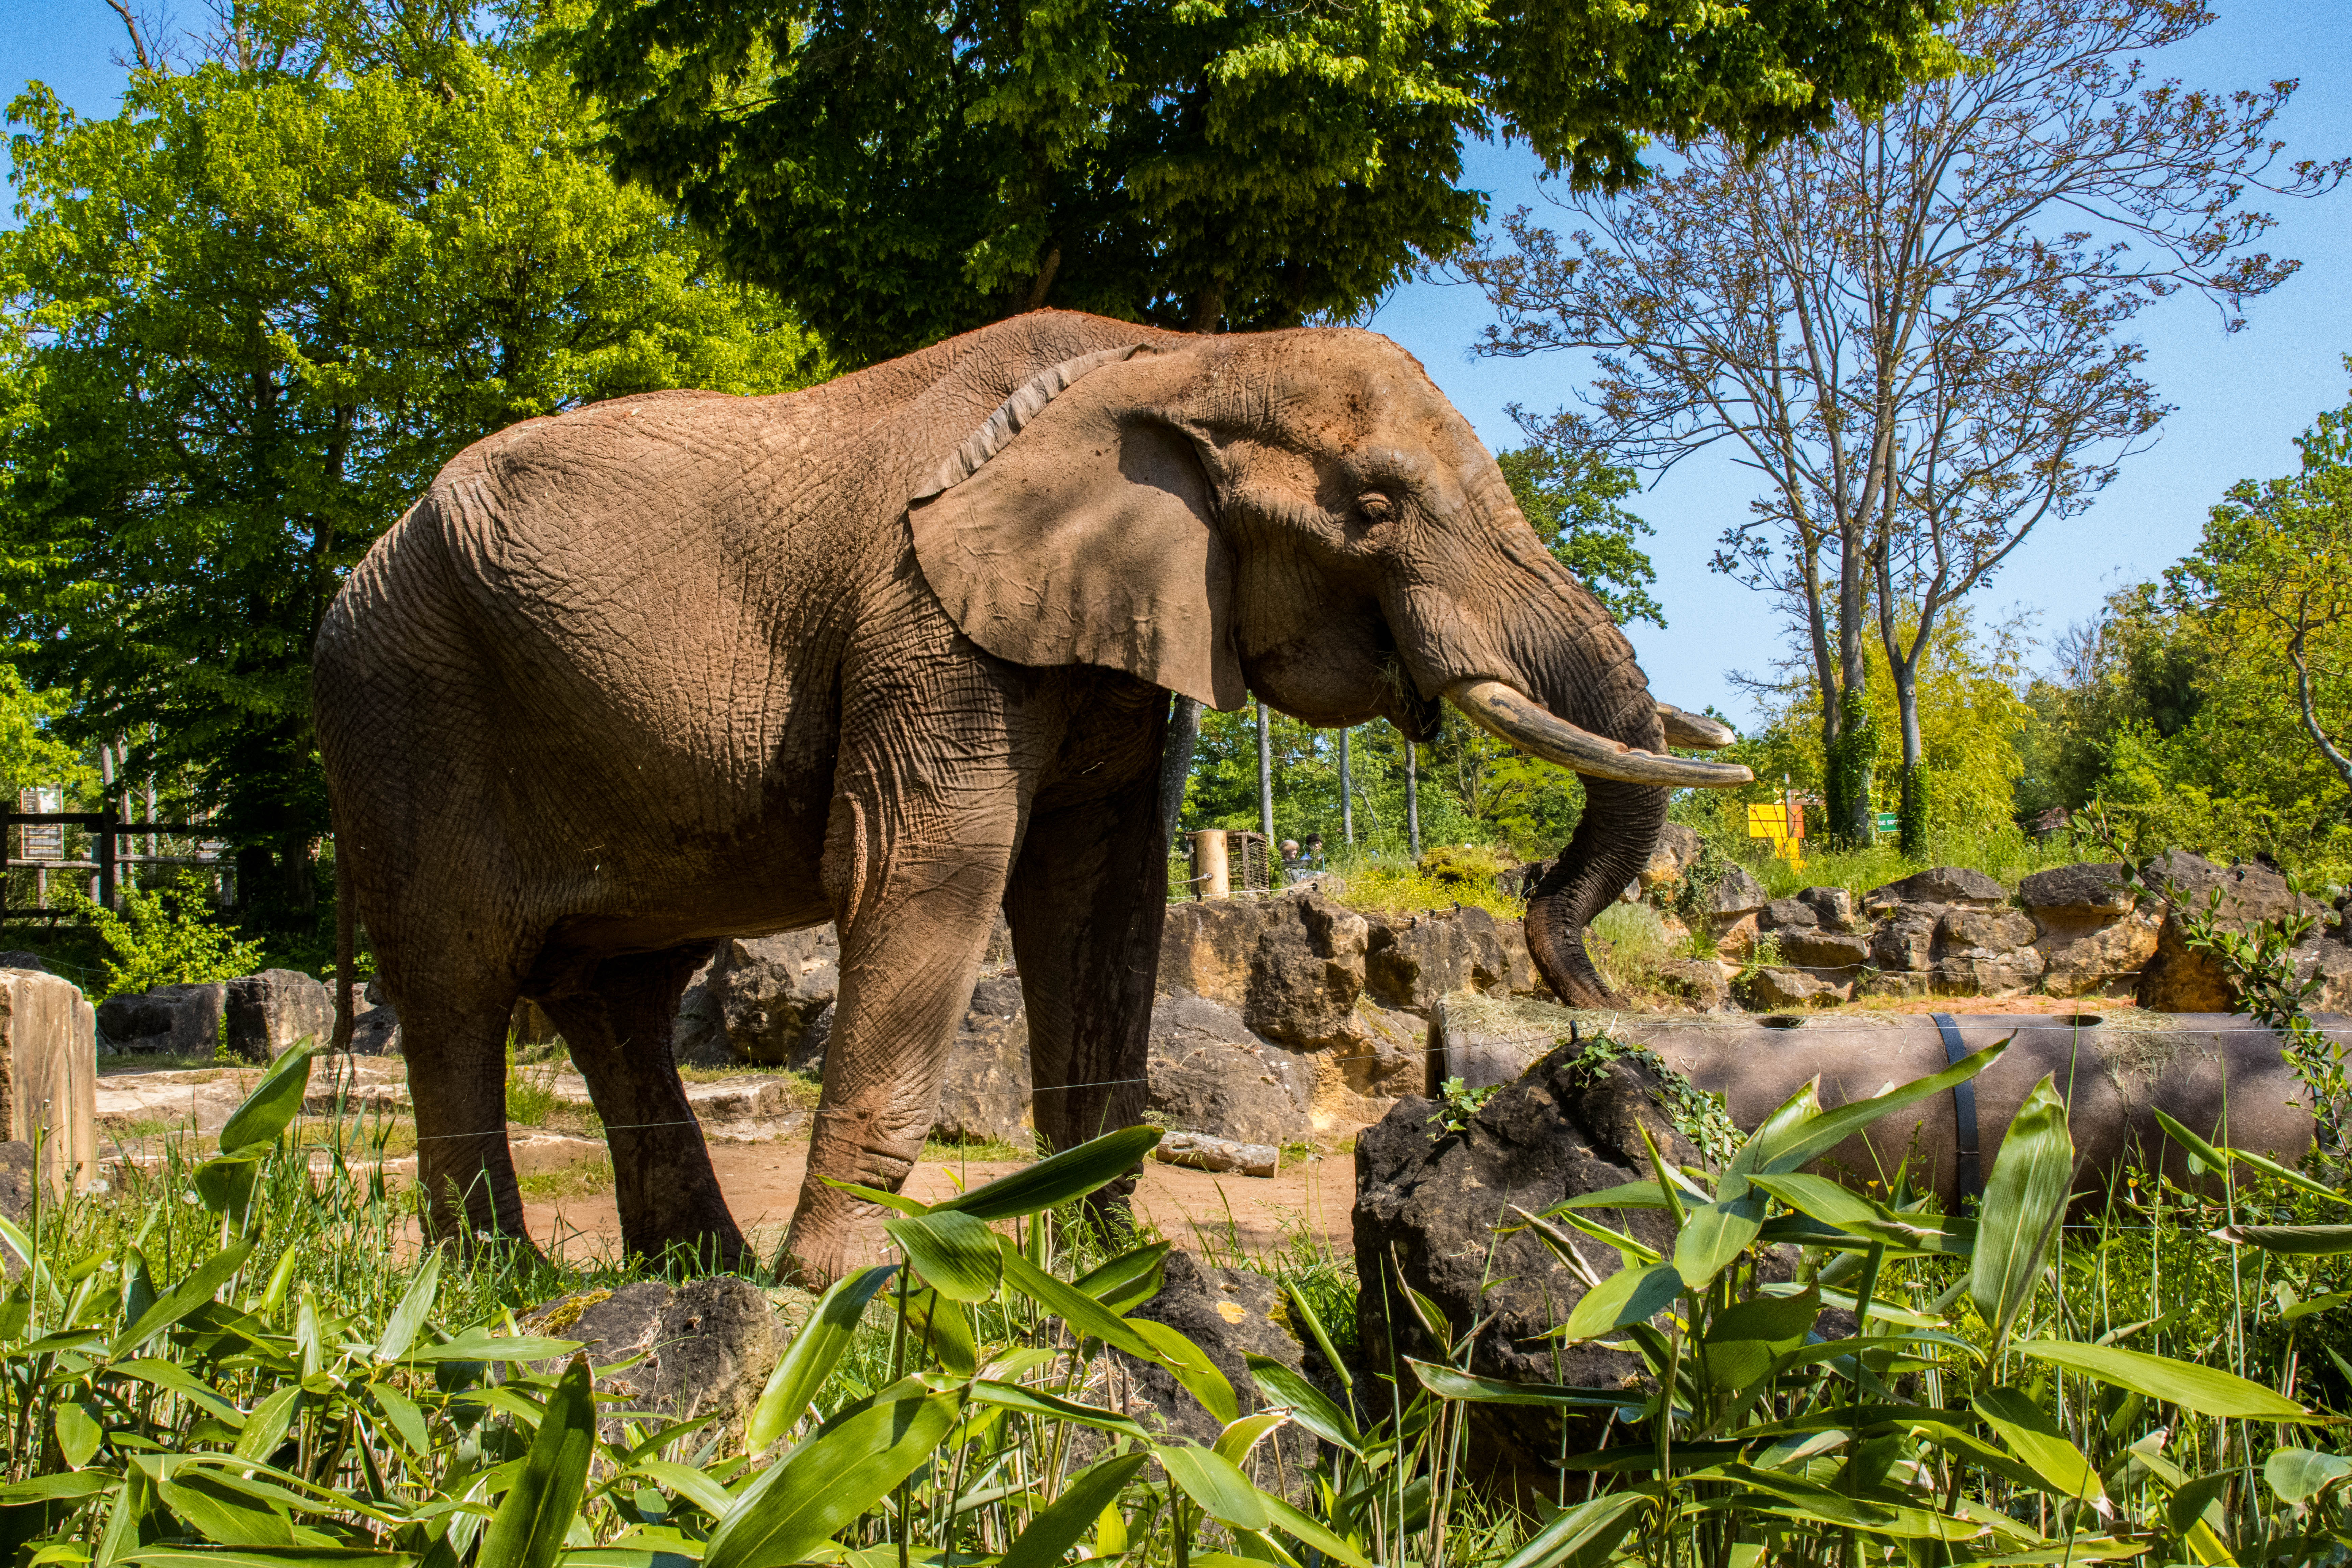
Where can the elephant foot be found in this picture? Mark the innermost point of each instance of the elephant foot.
(814, 1257)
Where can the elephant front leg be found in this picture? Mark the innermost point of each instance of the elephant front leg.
(914, 921)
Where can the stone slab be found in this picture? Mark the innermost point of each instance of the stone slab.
(48, 1073)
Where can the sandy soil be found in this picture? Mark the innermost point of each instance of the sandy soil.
(1196, 1210)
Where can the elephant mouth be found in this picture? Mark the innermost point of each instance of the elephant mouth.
(1511, 716)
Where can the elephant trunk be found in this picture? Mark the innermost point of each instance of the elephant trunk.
(1614, 840)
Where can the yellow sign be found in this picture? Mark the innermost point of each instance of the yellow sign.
(1784, 824)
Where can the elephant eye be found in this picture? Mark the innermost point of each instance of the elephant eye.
(1376, 505)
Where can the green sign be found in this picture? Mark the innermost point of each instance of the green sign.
(1887, 824)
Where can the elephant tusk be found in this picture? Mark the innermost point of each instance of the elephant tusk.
(1691, 731)
(1509, 716)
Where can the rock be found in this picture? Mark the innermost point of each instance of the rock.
(756, 1000)
(984, 1097)
(2080, 892)
(1842, 951)
(1210, 1075)
(177, 1020)
(1413, 960)
(1896, 983)
(1698, 981)
(1787, 915)
(1939, 885)
(19, 958)
(1907, 939)
(1771, 988)
(1737, 893)
(1833, 907)
(2178, 979)
(1985, 953)
(1677, 852)
(1230, 1314)
(264, 1015)
(49, 1074)
(375, 1029)
(709, 1346)
(2328, 958)
(1200, 1152)
(1430, 1201)
(1305, 971)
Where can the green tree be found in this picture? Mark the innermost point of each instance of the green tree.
(30, 751)
(900, 171)
(254, 311)
(1570, 492)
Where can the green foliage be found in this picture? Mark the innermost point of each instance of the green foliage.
(1240, 163)
(30, 751)
(165, 936)
(1458, 1103)
(256, 309)
(1569, 494)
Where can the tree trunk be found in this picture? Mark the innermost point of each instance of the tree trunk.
(1912, 815)
(1176, 759)
(1264, 781)
(1346, 794)
(1412, 799)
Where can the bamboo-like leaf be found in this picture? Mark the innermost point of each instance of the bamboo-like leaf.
(2064, 1470)
(274, 1101)
(2297, 1474)
(1629, 1295)
(1053, 1532)
(1049, 1406)
(1283, 1515)
(1193, 1370)
(267, 1426)
(400, 1329)
(401, 1414)
(78, 1432)
(809, 1360)
(688, 1483)
(1083, 1313)
(1583, 1535)
(2207, 1390)
(2024, 1203)
(1308, 1405)
(1239, 1437)
(185, 1297)
(224, 1184)
(2294, 1240)
(946, 1327)
(831, 1478)
(894, 1201)
(1127, 1281)
(535, 1514)
(1623, 1195)
(268, 1557)
(955, 1254)
(1053, 1182)
(226, 1521)
(1818, 1134)
(1304, 1310)
(1448, 1384)
(1214, 1482)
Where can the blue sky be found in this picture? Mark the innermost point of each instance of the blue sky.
(2240, 399)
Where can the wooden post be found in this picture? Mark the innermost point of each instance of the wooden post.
(105, 855)
(1210, 865)
(1264, 776)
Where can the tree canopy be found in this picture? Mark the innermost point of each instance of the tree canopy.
(900, 172)
(251, 314)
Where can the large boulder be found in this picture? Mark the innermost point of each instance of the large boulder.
(174, 1020)
(48, 1073)
(2178, 978)
(16, 1185)
(264, 1015)
(1939, 885)
(1677, 851)
(1833, 907)
(1305, 971)
(1772, 987)
(2095, 938)
(1985, 951)
(375, 1023)
(1906, 938)
(1441, 1205)
(757, 999)
(706, 1347)
(1210, 1074)
(984, 1096)
(1413, 960)
(22, 958)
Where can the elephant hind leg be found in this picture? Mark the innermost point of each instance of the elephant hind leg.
(617, 1025)
(455, 1042)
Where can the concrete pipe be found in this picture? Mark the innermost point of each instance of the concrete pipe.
(2222, 1076)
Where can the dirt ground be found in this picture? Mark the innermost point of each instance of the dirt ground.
(1304, 1204)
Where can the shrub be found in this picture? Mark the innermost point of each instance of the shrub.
(167, 936)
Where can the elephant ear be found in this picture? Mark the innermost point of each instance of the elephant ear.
(1074, 527)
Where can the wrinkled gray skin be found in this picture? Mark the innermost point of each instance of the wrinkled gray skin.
(684, 667)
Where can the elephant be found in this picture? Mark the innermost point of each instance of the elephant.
(897, 651)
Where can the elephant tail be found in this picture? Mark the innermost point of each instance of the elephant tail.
(344, 962)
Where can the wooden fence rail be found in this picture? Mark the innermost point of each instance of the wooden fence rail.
(104, 828)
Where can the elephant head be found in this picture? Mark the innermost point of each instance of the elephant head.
(1303, 515)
